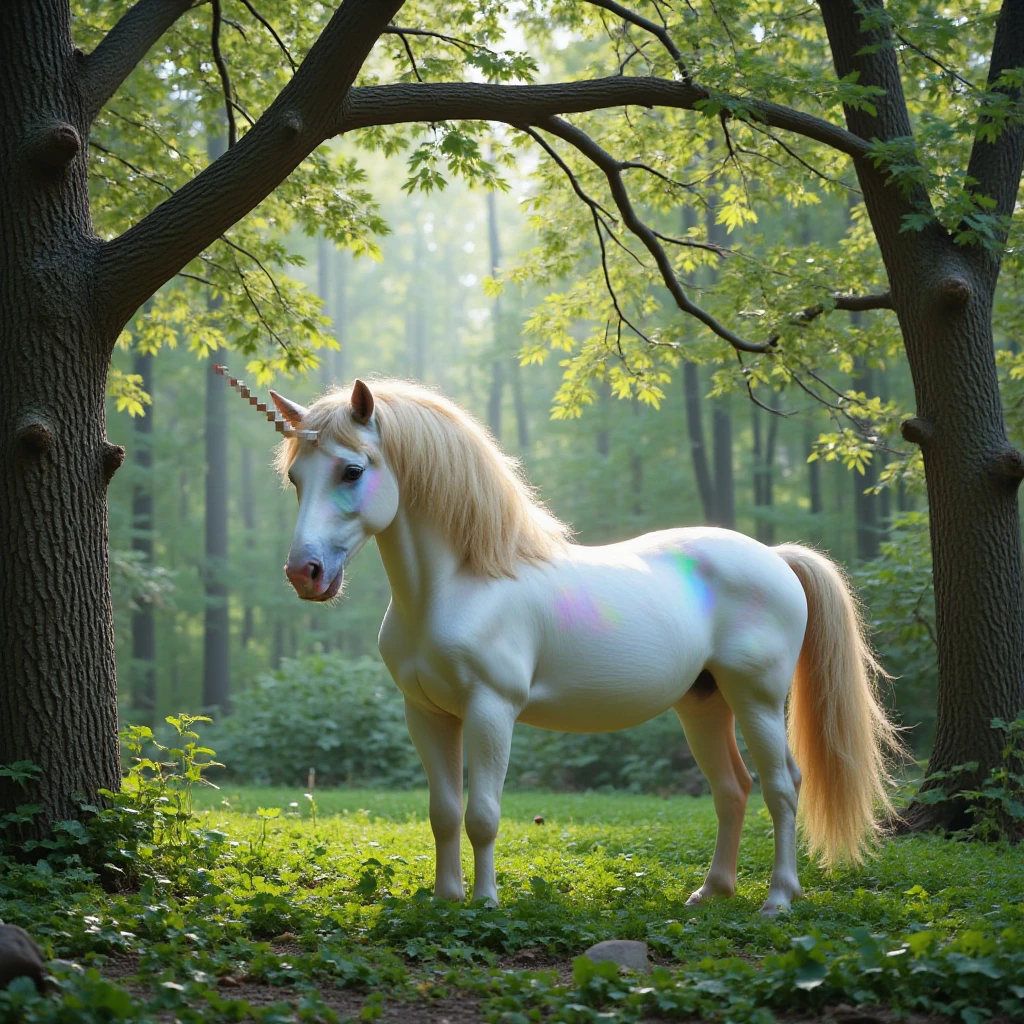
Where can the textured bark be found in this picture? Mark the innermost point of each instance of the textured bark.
(58, 704)
(698, 446)
(143, 691)
(943, 296)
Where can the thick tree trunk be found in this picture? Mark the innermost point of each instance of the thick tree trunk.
(143, 690)
(943, 294)
(58, 704)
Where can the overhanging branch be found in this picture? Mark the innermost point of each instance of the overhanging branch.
(529, 104)
(124, 46)
(612, 169)
(660, 32)
(135, 264)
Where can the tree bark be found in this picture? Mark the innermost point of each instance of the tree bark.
(865, 504)
(143, 689)
(58, 704)
(943, 295)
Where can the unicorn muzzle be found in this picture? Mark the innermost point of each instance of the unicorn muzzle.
(316, 577)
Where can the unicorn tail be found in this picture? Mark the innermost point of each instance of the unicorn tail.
(840, 735)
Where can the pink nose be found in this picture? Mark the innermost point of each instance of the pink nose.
(305, 576)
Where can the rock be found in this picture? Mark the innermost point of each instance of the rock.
(624, 952)
(20, 957)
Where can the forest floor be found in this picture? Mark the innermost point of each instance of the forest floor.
(262, 913)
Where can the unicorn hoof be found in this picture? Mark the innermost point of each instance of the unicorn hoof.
(705, 894)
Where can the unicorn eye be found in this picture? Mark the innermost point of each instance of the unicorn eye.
(352, 473)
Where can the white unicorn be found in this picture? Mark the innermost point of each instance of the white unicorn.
(497, 617)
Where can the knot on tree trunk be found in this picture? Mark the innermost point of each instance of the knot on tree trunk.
(916, 430)
(54, 146)
(292, 123)
(1008, 466)
(34, 435)
(954, 293)
(113, 456)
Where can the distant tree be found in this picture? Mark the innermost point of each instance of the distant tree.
(939, 195)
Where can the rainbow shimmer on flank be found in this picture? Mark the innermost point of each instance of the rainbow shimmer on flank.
(576, 610)
(696, 587)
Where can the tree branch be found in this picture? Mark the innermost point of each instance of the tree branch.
(996, 164)
(528, 104)
(660, 32)
(135, 264)
(612, 169)
(225, 77)
(122, 48)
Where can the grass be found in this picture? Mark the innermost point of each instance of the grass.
(272, 917)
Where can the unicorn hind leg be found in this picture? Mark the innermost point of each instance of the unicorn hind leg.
(711, 734)
(759, 704)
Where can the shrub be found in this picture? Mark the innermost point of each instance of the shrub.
(346, 719)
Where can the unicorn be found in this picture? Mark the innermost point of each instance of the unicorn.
(498, 617)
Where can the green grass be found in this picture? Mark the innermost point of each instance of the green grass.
(930, 924)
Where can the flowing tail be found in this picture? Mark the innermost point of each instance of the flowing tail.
(840, 735)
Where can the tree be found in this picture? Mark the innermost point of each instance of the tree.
(66, 293)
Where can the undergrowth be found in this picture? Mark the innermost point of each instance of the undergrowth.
(203, 897)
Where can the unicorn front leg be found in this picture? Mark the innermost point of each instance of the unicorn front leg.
(488, 726)
(438, 739)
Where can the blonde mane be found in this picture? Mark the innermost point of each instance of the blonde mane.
(448, 466)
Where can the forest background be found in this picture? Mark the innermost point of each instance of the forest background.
(490, 289)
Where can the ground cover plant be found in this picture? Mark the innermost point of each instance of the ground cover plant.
(181, 902)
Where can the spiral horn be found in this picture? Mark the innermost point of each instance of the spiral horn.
(280, 423)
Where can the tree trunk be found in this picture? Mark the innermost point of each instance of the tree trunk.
(249, 523)
(763, 471)
(943, 295)
(497, 395)
(58, 706)
(698, 446)
(217, 627)
(636, 465)
(519, 404)
(324, 252)
(143, 620)
(725, 486)
(813, 482)
(865, 504)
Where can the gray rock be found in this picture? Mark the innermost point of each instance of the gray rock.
(20, 957)
(624, 952)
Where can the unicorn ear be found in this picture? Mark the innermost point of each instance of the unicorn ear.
(361, 402)
(291, 411)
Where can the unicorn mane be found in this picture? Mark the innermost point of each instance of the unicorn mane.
(448, 466)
